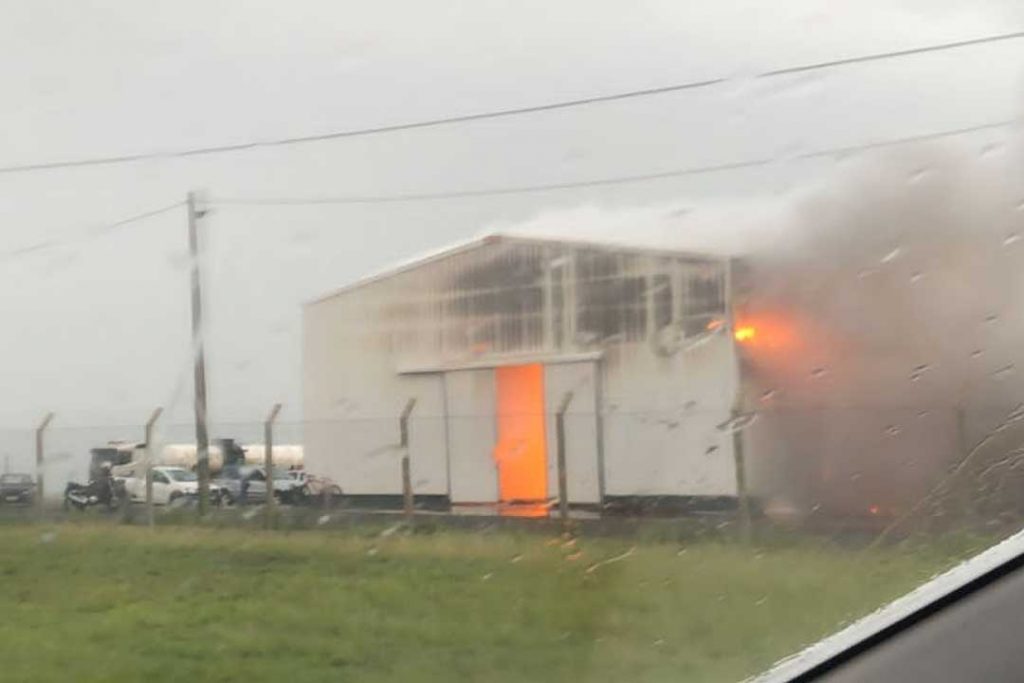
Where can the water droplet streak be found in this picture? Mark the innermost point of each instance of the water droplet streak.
(737, 423)
(892, 255)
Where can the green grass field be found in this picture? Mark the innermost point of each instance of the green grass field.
(95, 602)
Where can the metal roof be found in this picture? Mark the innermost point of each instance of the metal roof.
(495, 238)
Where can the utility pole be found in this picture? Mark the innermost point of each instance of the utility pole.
(40, 489)
(268, 463)
(150, 518)
(199, 381)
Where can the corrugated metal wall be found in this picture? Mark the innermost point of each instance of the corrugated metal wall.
(667, 371)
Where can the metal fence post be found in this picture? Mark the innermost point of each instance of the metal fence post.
(150, 517)
(40, 488)
(268, 463)
(403, 427)
(962, 490)
(563, 477)
(743, 497)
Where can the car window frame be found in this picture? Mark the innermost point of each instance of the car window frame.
(903, 613)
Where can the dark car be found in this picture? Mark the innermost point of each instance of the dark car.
(17, 488)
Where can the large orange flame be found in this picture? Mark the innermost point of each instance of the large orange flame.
(521, 449)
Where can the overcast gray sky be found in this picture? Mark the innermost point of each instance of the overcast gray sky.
(98, 329)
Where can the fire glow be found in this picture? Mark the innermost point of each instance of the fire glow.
(745, 333)
(521, 449)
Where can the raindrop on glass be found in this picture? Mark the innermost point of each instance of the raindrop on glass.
(1003, 371)
(818, 373)
(916, 277)
(389, 531)
(989, 149)
(1012, 238)
(916, 373)
(892, 255)
(893, 430)
(737, 423)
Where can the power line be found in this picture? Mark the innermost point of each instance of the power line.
(86, 233)
(109, 227)
(921, 137)
(893, 54)
(598, 182)
(480, 116)
(484, 192)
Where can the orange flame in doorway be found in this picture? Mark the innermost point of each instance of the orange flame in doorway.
(521, 449)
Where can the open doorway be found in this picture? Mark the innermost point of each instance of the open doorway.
(521, 448)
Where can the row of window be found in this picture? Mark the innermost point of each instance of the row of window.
(522, 300)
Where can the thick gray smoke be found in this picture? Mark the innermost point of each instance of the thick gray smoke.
(886, 303)
(893, 329)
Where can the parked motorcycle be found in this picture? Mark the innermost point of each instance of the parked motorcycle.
(105, 491)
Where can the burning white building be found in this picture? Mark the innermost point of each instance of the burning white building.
(489, 338)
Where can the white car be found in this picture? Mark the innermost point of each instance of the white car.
(170, 484)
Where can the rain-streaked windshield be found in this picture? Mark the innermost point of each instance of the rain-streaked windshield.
(635, 341)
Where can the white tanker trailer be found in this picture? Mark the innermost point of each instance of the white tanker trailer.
(124, 457)
(184, 455)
